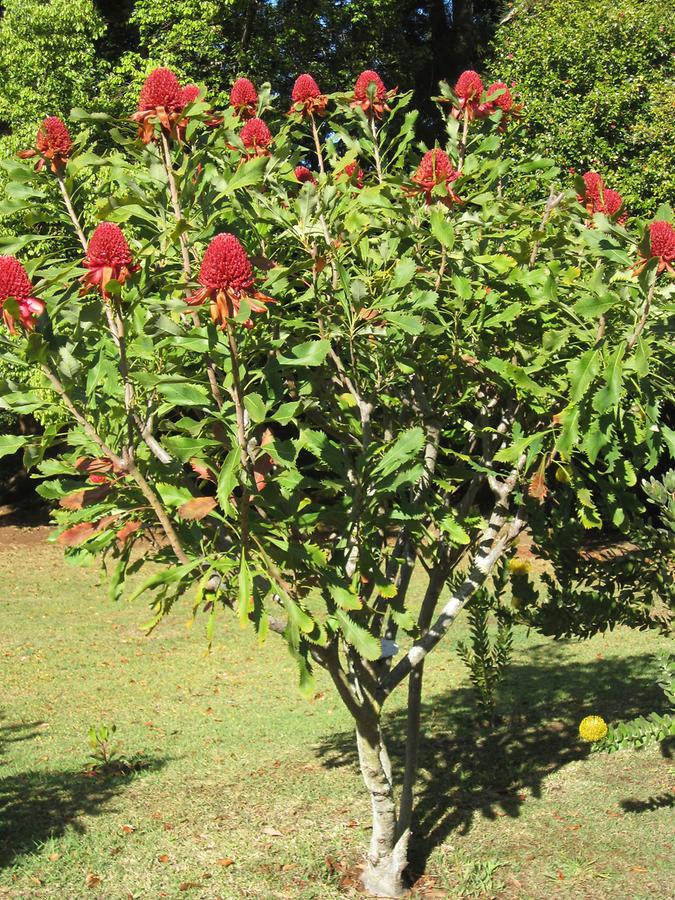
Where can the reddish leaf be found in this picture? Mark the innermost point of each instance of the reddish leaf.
(126, 531)
(225, 862)
(89, 466)
(197, 508)
(202, 470)
(71, 537)
(537, 486)
(78, 499)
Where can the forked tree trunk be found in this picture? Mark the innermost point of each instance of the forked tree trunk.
(388, 852)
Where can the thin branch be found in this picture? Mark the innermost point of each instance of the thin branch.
(463, 142)
(553, 201)
(71, 212)
(639, 328)
(127, 465)
(185, 254)
(493, 542)
(317, 144)
(376, 148)
(246, 463)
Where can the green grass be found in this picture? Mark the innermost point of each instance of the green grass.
(239, 767)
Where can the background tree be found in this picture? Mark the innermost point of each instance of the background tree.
(597, 81)
(48, 64)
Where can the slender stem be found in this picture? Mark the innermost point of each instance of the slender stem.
(175, 202)
(639, 328)
(465, 135)
(376, 148)
(71, 212)
(185, 254)
(238, 397)
(317, 144)
(126, 464)
(553, 201)
(89, 429)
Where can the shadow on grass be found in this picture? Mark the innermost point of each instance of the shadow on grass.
(37, 806)
(468, 771)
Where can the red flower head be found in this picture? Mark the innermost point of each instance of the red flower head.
(595, 187)
(53, 144)
(354, 172)
(226, 277)
(189, 94)
(256, 137)
(160, 101)
(303, 174)
(244, 97)
(362, 91)
(469, 86)
(15, 284)
(660, 244)
(613, 201)
(469, 90)
(307, 98)
(108, 258)
(435, 169)
(504, 102)
(599, 199)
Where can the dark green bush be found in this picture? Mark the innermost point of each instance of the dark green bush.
(597, 82)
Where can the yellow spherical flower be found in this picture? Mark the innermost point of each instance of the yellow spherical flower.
(592, 729)
(519, 566)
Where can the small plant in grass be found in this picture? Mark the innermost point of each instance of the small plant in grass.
(287, 391)
(105, 754)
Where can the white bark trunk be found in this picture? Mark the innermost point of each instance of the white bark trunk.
(387, 857)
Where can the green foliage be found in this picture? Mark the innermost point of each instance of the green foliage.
(654, 728)
(597, 85)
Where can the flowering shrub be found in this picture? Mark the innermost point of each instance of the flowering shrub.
(288, 391)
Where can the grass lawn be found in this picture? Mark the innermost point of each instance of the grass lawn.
(248, 791)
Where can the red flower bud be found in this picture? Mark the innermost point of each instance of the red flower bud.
(353, 171)
(189, 94)
(504, 101)
(160, 89)
(434, 169)
(469, 86)
(161, 100)
(662, 245)
(305, 88)
(303, 174)
(15, 284)
(307, 97)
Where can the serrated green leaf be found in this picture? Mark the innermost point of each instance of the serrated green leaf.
(366, 644)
